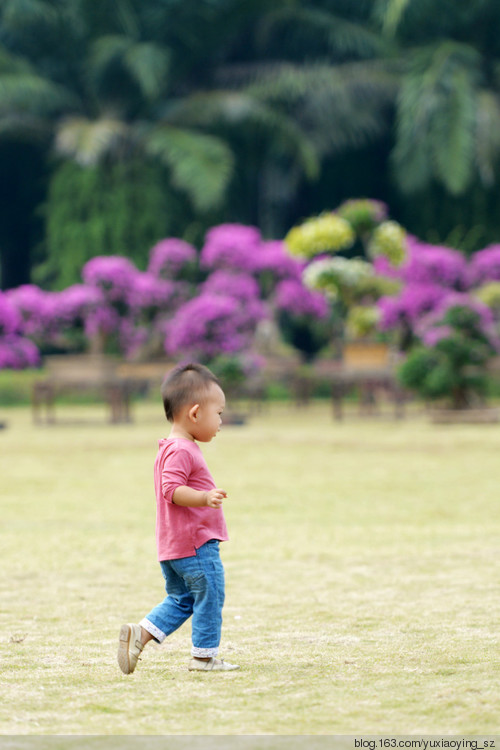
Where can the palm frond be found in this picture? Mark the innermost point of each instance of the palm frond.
(337, 106)
(10, 63)
(201, 165)
(88, 141)
(330, 33)
(127, 17)
(148, 64)
(27, 92)
(453, 133)
(410, 156)
(288, 139)
(19, 14)
(390, 13)
(234, 110)
(487, 136)
(107, 49)
(436, 118)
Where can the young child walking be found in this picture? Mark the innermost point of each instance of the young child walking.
(189, 525)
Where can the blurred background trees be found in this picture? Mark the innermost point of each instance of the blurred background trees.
(125, 121)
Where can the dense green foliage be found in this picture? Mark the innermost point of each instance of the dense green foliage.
(103, 210)
(454, 369)
(242, 111)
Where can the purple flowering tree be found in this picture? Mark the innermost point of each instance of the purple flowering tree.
(188, 304)
(220, 320)
(117, 308)
(16, 350)
(443, 321)
(54, 320)
(484, 266)
(132, 304)
(231, 247)
(210, 325)
(273, 281)
(432, 276)
(35, 308)
(173, 260)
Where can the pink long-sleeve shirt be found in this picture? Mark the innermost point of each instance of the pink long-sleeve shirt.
(180, 530)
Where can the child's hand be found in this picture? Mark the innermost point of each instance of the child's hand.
(215, 497)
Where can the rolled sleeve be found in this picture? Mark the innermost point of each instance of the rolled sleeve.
(175, 473)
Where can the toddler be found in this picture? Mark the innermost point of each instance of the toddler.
(189, 525)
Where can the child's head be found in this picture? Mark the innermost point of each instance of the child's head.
(185, 386)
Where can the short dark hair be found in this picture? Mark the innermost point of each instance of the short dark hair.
(183, 385)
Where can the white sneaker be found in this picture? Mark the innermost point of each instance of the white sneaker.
(129, 648)
(213, 665)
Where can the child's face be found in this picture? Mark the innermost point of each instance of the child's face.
(208, 417)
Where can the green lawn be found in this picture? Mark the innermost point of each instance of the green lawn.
(362, 578)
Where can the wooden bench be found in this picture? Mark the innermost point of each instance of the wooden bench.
(81, 373)
(371, 377)
(369, 384)
(112, 379)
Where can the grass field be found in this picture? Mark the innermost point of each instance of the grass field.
(362, 578)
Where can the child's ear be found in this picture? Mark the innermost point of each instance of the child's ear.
(193, 413)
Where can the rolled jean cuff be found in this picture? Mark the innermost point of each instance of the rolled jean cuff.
(157, 634)
(202, 653)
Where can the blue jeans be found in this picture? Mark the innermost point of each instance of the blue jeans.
(195, 586)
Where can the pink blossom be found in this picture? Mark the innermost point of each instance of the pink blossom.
(433, 336)
(73, 303)
(274, 257)
(209, 325)
(232, 246)
(34, 307)
(458, 299)
(433, 264)
(169, 257)
(296, 299)
(10, 319)
(16, 351)
(409, 305)
(113, 274)
(233, 284)
(383, 267)
(149, 291)
(428, 264)
(485, 265)
(103, 319)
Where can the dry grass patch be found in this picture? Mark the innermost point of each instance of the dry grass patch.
(362, 576)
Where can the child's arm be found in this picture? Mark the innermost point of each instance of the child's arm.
(188, 497)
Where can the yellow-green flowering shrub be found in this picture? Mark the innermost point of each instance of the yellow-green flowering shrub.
(388, 240)
(363, 214)
(325, 233)
(361, 321)
(339, 277)
(490, 294)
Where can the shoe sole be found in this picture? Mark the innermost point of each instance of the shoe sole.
(210, 671)
(232, 668)
(123, 650)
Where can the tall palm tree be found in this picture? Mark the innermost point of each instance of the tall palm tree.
(237, 102)
(448, 109)
(130, 80)
(323, 65)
